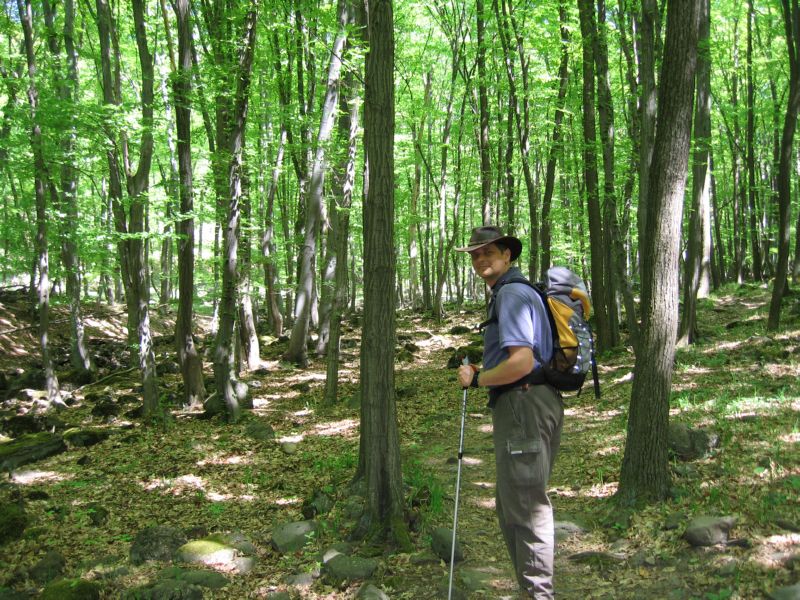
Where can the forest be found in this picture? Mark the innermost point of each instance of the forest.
(231, 301)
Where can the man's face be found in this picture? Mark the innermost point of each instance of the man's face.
(490, 262)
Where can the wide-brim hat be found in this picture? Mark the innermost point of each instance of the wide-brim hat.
(489, 234)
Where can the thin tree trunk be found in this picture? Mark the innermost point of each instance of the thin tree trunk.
(344, 180)
(605, 110)
(67, 86)
(227, 397)
(556, 145)
(190, 361)
(40, 183)
(791, 17)
(699, 234)
(596, 237)
(755, 238)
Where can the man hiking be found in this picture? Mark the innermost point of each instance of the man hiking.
(527, 414)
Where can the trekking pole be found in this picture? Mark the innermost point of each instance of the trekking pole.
(458, 487)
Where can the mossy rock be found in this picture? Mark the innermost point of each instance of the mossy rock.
(71, 589)
(13, 521)
(29, 448)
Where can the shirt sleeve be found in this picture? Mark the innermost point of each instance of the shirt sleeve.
(515, 317)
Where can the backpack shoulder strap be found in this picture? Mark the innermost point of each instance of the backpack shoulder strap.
(538, 287)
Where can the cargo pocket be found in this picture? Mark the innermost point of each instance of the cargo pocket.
(527, 463)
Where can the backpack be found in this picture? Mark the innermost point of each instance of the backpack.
(567, 305)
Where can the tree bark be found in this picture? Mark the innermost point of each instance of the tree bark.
(344, 178)
(645, 472)
(556, 146)
(752, 183)
(696, 266)
(379, 459)
(227, 398)
(605, 111)
(190, 361)
(67, 87)
(791, 18)
(596, 238)
(40, 184)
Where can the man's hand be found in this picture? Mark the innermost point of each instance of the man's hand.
(465, 375)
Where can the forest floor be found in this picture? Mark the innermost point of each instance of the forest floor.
(738, 382)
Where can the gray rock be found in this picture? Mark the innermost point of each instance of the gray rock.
(349, 568)
(369, 592)
(291, 537)
(708, 531)
(156, 543)
(49, 567)
(319, 504)
(301, 580)
(261, 432)
(691, 444)
(278, 596)
(442, 543)
(334, 550)
(567, 529)
(791, 592)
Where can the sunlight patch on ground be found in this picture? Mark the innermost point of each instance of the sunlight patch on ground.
(484, 485)
(33, 477)
(287, 501)
(106, 326)
(487, 503)
(176, 486)
(292, 439)
(791, 438)
(608, 451)
(600, 490)
(626, 377)
(487, 428)
(261, 402)
(347, 428)
(472, 462)
(777, 550)
(221, 459)
(306, 412)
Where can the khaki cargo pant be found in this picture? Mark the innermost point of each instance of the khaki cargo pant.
(527, 433)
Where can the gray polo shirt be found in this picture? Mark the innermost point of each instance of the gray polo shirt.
(521, 321)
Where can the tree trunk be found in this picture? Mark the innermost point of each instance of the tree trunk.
(556, 146)
(224, 375)
(752, 183)
(791, 17)
(379, 459)
(40, 183)
(67, 86)
(314, 205)
(696, 266)
(483, 103)
(605, 111)
(645, 467)
(274, 309)
(190, 361)
(647, 106)
(344, 180)
(596, 238)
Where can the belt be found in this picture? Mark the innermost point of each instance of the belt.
(533, 378)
